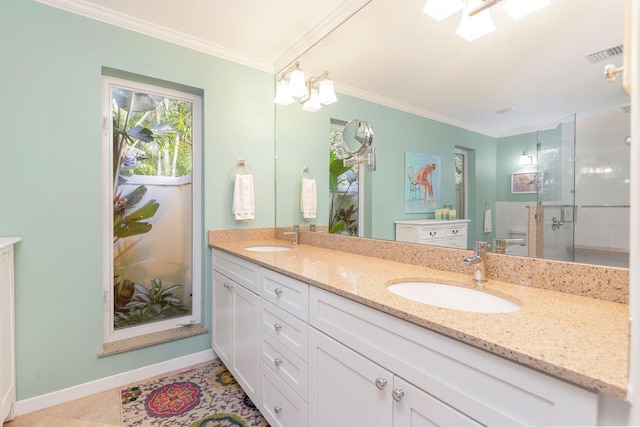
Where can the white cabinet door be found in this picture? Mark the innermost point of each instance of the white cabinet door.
(221, 323)
(413, 407)
(244, 339)
(235, 332)
(346, 389)
(7, 340)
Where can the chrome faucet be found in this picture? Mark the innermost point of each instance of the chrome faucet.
(479, 262)
(295, 233)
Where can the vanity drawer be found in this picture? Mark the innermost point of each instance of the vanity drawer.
(285, 328)
(458, 242)
(289, 294)
(286, 365)
(431, 233)
(456, 231)
(237, 269)
(280, 405)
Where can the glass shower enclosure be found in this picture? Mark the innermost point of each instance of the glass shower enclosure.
(583, 190)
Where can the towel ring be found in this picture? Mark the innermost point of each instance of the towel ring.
(308, 171)
(241, 163)
(487, 206)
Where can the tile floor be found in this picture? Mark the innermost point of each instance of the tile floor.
(97, 410)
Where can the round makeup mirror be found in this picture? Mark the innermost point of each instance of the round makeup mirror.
(357, 137)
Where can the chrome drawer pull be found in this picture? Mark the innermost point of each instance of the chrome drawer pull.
(277, 361)
(277, 409)
(278, 291)
(397, 394)
(381, 383)
(277, 327)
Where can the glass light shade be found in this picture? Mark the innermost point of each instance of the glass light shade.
(472, 27)
(519, 8)
(312, 104)
(526, 160)
(326, 94)
(440, 9)
(297, 85)
(283, 94)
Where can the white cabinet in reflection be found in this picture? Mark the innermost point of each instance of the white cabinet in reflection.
(450, 234)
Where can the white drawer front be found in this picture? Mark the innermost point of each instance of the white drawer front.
(286, 365)
(286, 329)
(237, 269)
(459, 242)
(429, 233)
(289, 294)
(280, 405)
(456, 231)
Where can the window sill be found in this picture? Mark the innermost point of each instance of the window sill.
(142, 341)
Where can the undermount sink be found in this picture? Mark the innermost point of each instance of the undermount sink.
(267, 248)
(453, 297)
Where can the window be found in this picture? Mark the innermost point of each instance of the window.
(461, 183)
(346, 199)
(152, 225)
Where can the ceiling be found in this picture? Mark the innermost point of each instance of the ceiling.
(389, 52)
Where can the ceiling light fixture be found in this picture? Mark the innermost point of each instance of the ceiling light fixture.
(476, 19)
(317, 90)
(440, 9)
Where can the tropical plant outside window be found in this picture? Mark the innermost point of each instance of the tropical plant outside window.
(343, 188)
(152, 182)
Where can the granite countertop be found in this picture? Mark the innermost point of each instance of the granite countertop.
(580, 339)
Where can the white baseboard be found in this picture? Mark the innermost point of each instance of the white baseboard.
(103, 384)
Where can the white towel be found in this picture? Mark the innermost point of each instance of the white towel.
(308, 198)
(487, 221)
(243, 200)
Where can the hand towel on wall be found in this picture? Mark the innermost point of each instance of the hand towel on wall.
(487, 221)
(309, 198)
(243, 198)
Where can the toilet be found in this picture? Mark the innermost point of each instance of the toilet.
(519, 249)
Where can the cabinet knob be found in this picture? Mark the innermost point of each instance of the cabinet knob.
(277, 361)
(278, 291)
(227, 285)
(277, 409)
(381, 383)
(277, 327)
(432, 233)
(397, 394)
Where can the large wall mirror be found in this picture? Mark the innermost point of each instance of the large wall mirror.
(532, 90)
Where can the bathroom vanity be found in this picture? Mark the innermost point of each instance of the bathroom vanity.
(318, 341)
(446, 233)
(7, 331)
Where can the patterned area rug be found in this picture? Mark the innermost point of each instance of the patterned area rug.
(206, 396)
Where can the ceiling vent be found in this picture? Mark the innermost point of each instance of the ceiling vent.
(626, 109)
(603, 55)
(506, 110)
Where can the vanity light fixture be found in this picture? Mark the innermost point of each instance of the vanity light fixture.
(525, 159)
(317, 90)
(476, 19)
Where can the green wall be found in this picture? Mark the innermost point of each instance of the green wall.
(50, 178)
(302, 139)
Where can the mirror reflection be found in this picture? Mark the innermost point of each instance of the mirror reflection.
(521, 121)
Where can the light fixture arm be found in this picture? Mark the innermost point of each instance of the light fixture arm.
(486, 4)
(310, 83)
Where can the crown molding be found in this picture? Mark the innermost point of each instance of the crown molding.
(332, 21)
(109, 16)
(407, 108)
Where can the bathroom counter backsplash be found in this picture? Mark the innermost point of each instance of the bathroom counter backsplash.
(574, 336)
